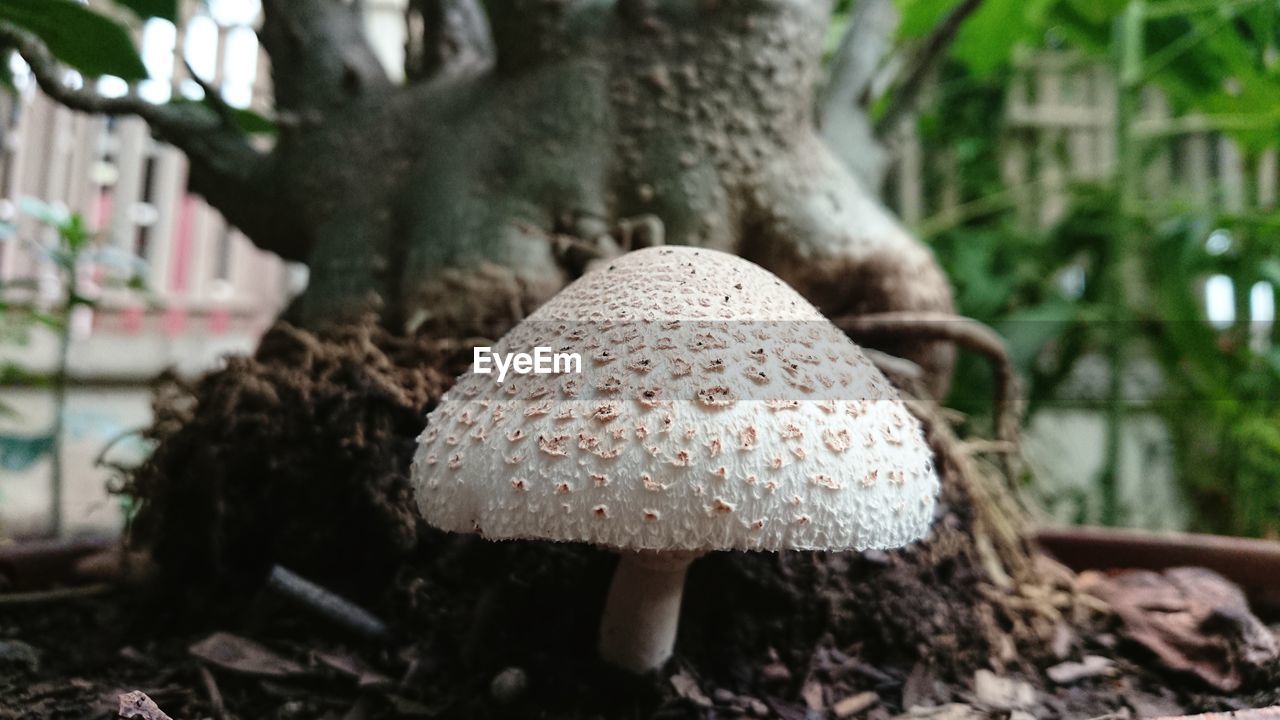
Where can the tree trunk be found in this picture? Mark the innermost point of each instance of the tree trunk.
(446, 204)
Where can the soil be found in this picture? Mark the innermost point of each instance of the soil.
(506, 631)
(299, 457)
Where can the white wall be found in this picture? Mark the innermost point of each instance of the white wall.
(93, 419)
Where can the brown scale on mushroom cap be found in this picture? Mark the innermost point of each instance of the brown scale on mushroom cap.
(668, 410)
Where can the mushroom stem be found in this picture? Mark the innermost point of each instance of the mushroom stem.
(642, 612)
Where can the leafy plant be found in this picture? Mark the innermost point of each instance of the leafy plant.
(96, 44)
(70, 250)
(82, 38)
(1085, 287)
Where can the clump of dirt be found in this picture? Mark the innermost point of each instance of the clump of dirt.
(507, 630)
(298, 455)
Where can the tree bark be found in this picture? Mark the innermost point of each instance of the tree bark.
(440, 205)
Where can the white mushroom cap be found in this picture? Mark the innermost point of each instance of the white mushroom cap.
(715, 409)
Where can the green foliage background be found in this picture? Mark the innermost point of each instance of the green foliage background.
(1042, 289)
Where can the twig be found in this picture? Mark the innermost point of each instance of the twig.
(211, 689)
(55, 595)
(990, 447)
(934, 48)
(212, 97)
(326, 603)
(1257, 714)
(900, 369)
(44, 67)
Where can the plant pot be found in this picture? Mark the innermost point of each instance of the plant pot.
(1252, 564)
(31, 565)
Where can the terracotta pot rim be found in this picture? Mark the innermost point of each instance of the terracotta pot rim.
(1251, 563)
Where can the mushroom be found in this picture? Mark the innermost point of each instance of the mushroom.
(715, 409)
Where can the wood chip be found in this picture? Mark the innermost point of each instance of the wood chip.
(137, 706)
(352, 666)
(1258, 714)
(687, 688)
(211, 690)
(1194, 620)
(238, 654)
(952, 711)
(1001, 693)
(811, 693)
(775, 672)
(1070, 673)
(855, 704)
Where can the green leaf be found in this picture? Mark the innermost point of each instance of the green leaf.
(74, 233)
(1028, 330)
(252, 123)
(988, 37)
(165, 9)
(91, 43)
(1269, 269)
(18, 452)
(920, 16)
(6, 71)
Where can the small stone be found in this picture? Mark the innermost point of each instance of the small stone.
(1063, 640)
(877, 557)
(855, 704)
(724, 697)
(1002, 693)
(1069, 673)
(509, 685)
(18, 654)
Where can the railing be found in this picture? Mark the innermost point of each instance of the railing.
(1059, 128)
(203, 277)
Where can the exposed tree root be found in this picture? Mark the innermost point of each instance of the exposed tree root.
(969, 334)
(1032, 600)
